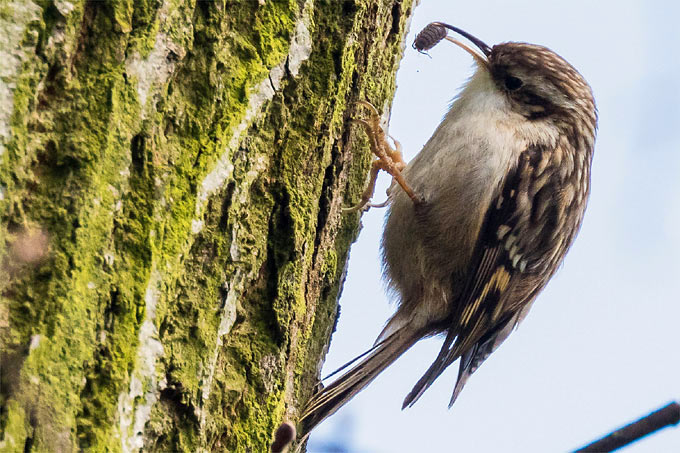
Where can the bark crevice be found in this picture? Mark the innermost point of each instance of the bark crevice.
(186, 166)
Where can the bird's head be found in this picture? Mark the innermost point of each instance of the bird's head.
(538, 83)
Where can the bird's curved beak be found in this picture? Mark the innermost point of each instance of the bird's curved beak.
(481, 57)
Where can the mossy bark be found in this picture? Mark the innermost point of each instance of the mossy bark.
(171, 238)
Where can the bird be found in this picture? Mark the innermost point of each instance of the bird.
(481, 218)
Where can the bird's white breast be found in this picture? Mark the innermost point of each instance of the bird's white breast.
(458, 172)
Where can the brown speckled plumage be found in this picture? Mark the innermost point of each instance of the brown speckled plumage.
(504, 182)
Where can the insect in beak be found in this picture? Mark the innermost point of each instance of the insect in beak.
(436, 31)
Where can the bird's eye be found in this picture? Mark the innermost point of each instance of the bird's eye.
(513, 83)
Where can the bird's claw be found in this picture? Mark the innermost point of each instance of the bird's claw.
(388, 159)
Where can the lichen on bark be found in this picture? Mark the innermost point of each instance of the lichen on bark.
(187, 162)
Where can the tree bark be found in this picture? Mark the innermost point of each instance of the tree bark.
(172, 245)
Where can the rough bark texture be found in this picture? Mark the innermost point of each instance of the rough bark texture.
(171, 241)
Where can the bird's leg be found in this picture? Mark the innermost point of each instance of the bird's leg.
(389, 159)
(396, 154)
(368, 193)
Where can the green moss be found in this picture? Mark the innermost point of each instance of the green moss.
(117, 195)
(122, 14)
(16, 429)
(75, 167)
(140, 17)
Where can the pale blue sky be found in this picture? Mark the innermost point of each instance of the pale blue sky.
(600, 346)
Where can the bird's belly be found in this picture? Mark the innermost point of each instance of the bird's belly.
(427, 251)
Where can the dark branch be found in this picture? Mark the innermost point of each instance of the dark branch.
(666, 416)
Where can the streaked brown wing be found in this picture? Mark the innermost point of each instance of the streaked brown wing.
(526, 233)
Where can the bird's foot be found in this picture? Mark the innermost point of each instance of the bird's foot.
(389, 159)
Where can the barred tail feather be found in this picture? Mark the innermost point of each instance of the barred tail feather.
(334, 396)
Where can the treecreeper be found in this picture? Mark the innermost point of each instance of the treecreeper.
(481, 218)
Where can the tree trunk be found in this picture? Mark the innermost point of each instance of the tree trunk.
(171, 238)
